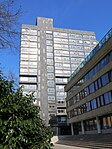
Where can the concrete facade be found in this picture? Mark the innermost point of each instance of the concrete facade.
(93, 106)
(48, 57)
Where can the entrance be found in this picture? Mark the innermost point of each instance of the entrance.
(77, 128)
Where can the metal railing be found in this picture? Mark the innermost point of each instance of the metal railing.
(92, 53)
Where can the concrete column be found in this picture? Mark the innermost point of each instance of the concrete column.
(98, 125)
(72, 131)
(57, 131)
(82, 127)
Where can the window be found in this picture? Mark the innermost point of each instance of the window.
(57, 40)
(94, 42)
(105, 79)
(33, 32)
(49, 42)
(78, 36)
(49, 49)
(58, 71)
(29, 31)
(50, 68)
(49, 61)
(59, 34)
(106, 122)
(66, 65)
(61, 80)
(48, 36)
(111, 75)
(24, 79)
(34, 57)
(88, 106)
(30, 86)
(57, 46)
(23, 70)
(93, 104)
(51, 98)
(90, 125)
(71, 35)
(102, 100)
(50, 90)
(62, 119)
(66, 72)
(64, 41)
(49, 55)
(50, 75)
(86, 91)
(24, 50)
(91, 88)
(33, 44)
(28, 38)
(50, 83)
(86, 42)
(85, 37)
(98, 102)
(99, 83)
(61, 111)
(33, 71)
(59, 88)
(92, 37)
(65, 47)
(32, 79)
(96, 85)
(79, 42)
(108, 97)
(72, 41)
(60, 94)
(58, 64)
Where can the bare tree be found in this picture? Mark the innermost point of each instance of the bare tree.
(9, 31)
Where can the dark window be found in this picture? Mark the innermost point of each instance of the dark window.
(99, 66)
(90, 125)
(111, 75)
(88, 106)
(84, 108)
(78, 97)
(80, 94)
(105, 79)
(106, 98)
(102, 100)
(92, 88)
(99, 83)
(78, 111)
(98, 102)
(85, 92)
(94, 104)
(103, 63)
(96, 85)
(110, 96)
(111, 56)
(75, 112)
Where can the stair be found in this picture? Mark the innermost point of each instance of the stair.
(94, 141)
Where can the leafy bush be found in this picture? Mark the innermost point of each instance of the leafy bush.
(20, 124)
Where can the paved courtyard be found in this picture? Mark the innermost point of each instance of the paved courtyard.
(58, 146)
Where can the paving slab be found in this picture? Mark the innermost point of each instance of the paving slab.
(59, 146)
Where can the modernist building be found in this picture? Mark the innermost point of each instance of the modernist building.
(89, 91)
(48, 57)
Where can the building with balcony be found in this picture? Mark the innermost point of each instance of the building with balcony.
(89, 91)
(48, 57)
